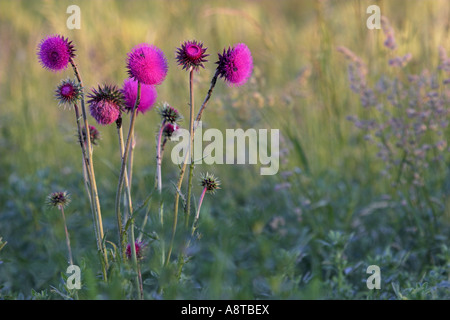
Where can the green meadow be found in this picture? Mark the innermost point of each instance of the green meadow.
(336, 205)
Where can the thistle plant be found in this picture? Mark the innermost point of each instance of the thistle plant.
(56, 53)
(146, 68)
(61, 200)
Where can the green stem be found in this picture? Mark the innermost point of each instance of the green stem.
(183, 169)
(67, 235)
(122, 173)
(91, 173)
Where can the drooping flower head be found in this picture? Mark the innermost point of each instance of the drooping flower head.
(169, 114)
(210, 182)
(235, 65)
(60, 199)
(139, 245)
(147, 64)
(105, 104)
(54, 52)
(68, 92)
(93, 133)
(147, 98)
(191, 54)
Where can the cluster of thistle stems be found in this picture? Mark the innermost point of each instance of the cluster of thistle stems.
(125, 177)
(88, 172)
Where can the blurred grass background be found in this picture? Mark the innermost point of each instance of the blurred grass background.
(257, 242)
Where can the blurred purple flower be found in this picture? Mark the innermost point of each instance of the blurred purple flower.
(147, 99)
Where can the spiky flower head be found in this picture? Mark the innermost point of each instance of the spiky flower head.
(210, 182)
(68, 92)
(169, 114)
(147, 64)
(55, 52)
(191, 54)
(170, 129)
(93, 133)
(140, 246)
(105, 104)
(147, 98)
(60, 199)
(235, 65)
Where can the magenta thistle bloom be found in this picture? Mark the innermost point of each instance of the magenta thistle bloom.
(93, 133)
(68, 92)
(191, 54)
(139, 245)
(55, 52)
(105, 104)
(147, 64)
(235, 65)
(148, 95)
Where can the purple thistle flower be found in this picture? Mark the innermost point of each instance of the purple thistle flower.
(170, 129)
(139, 245)
(191, 54)
(235, 65)
(105, 104)
(93, 133)
(148, 95)
(147, 64)
(68, 92)
(55, 52)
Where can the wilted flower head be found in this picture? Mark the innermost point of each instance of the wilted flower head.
(191, 54)
(147, 98)
(55, 52)
(169, 114)
(235, 65)
(93, 133)
(139, 245)
(105, 104)
(68, 92)
(60, 199)
(210, 182)
(147, 64)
